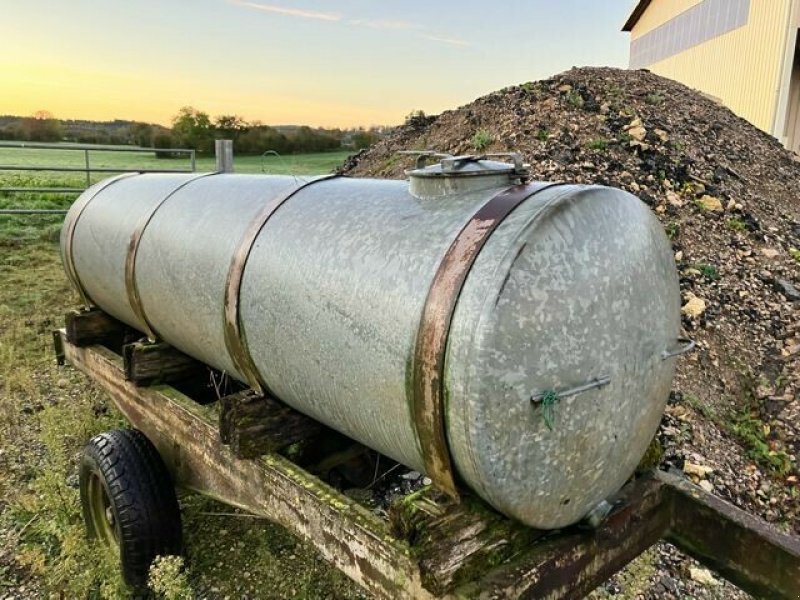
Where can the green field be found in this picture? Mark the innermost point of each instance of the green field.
(47, 227)
(47, 413)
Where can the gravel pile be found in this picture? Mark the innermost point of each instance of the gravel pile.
(728, 196)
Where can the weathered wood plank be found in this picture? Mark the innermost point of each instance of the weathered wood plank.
(87, 327)
(254, 425)
(455, 542)
(570, 565)
(346, 534)
(741, 547)
(146, 363)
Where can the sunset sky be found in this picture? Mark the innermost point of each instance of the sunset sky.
(316, 62)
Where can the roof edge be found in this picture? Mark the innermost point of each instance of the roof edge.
(636, 15)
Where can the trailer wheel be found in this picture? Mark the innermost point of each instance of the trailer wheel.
(128, 500)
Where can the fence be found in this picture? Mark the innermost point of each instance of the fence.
(86, 168)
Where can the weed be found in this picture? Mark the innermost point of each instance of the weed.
(708, 271)
(528, 87)
(482, 139)
(753, 432)
(168, 579)
(574, 99)
(736, 224)
(655, 98)
(795, 254)
(672, 229)
(542, 134)
(600, 144)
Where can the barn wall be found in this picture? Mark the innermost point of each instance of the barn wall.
(743, 67)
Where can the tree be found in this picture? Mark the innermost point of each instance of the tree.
(230, 127)
(142, 134)
(193, 128)
(41, 127)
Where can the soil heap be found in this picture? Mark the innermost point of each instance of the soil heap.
(728, 196)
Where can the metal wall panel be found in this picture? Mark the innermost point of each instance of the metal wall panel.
(698, 24)
(743, 67)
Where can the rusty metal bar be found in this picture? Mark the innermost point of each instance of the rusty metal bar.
(69, 234)
(235, 342)
(132, 289)
(434, 329)
(744, 549)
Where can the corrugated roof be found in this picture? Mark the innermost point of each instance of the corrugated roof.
(636, 15)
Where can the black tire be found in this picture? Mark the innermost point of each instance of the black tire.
(124, 481)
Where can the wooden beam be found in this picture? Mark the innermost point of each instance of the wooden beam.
(254, 425)
(455, 541)
(185, 433)
(146, 363)
(87, 327)
(572, 564)
(747, 551)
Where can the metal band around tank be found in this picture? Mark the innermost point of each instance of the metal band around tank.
(131, 288)
(235, 341)
(69, 235)
(434, 329)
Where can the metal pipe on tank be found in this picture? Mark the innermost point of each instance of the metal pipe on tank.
(514, 338)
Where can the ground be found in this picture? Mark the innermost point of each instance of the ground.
(47, 413)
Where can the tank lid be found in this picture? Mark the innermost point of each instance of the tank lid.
(469, 165)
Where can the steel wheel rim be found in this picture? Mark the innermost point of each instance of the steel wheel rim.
(101, 513)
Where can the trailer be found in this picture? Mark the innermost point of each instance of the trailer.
(429, 545)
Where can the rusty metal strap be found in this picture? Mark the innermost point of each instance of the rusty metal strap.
(235, 341)
(131, 287)
(69, 235)
(434, 330)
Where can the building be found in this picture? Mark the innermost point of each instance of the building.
(742, 52)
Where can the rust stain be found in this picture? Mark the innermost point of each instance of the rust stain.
(235, 340)
(434, 328)
(69, 259)
(131, 287)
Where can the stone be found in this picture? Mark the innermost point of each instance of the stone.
(769, 252)
(699, 471)
(703, 576)
(788, 290)
(694, 307)
(707, 486)
(674, 199)
(638, 133)
(711, 203)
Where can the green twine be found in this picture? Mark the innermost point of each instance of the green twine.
(549, 398)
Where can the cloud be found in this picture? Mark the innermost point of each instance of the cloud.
(289, 12)
(444, 40)
(383, 24)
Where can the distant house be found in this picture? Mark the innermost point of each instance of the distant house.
(742, 52)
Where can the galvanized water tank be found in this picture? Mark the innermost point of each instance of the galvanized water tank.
(513, 337)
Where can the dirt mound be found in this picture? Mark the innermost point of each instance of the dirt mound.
(728, 196)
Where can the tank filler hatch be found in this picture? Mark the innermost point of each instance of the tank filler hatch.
(463, 174)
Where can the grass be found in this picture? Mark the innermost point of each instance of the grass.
(482, 139)
(46, 228)
(599, 144)
(736, 224)
(752, 433)
(709, 272)
(47, 413)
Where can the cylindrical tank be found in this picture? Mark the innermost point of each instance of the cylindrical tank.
(555, 375)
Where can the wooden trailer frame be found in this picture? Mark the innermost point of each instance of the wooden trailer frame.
(431, 547)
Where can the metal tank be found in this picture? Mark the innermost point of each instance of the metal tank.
(515, 337)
